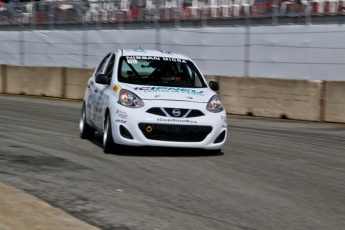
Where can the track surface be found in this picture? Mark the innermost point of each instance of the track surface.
(272, 174)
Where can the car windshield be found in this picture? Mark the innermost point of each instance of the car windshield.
(159, 71)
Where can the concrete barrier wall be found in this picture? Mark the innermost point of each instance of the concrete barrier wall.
(31, 80)
(45, 81)
(335, 101)
(2, 68)
(266, 97)
(76, 81)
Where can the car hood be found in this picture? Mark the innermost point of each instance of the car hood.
(170, 93)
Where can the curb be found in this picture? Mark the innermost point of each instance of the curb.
(22, 211)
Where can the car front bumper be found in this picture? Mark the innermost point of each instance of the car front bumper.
(147, 129)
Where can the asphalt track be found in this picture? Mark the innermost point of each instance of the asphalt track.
(271, 174)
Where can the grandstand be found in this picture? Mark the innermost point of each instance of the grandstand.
(167, 12)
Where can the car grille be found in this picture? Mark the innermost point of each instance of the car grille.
(178, 133)
(168, 112)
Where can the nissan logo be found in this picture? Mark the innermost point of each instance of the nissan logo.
(176, 112)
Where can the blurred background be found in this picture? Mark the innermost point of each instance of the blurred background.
(273, 59)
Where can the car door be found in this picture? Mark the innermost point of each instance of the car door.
(92, 101)
(102, 93)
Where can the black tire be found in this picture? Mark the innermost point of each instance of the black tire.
(108, 142)
(86, 131)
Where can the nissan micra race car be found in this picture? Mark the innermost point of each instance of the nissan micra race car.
(140, 97)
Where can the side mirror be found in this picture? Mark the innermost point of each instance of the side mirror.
(214, 85)
(102, 79)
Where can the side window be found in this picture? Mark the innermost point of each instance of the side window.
(198, 82)
(110, 67)
(101, 66)
(194, 77)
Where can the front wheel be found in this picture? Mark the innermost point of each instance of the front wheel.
(108, 142)
(86, 131)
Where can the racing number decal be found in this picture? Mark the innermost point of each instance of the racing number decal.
(97, 103)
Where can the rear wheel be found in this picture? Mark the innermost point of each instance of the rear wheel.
(86, 131)
(108, 142)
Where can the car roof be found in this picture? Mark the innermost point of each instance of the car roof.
(154, 53)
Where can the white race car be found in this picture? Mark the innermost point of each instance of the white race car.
(140, 97)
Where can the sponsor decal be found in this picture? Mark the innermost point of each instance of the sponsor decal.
(121, 114)
(134, 59)
(97, 103)
(89, 102)
(224, 126)
(159, 89)
(120, 111)
(176, 120)
(224, 119)
(121, 121)
(116, 88)
(174, 60)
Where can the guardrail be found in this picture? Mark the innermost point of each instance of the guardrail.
(120, 11)
(264, 97)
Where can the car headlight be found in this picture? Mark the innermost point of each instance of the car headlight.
(214, 105)
(129, 99)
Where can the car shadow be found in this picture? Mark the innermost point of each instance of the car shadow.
(148, 151)
(97, 140)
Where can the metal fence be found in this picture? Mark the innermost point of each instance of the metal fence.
(126, 11)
